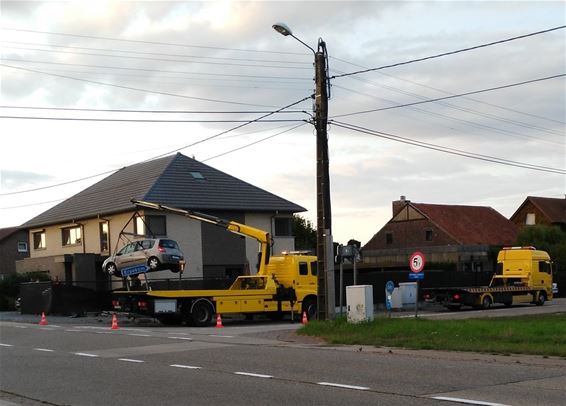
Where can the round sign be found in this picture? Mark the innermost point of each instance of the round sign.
(390, 286)
(417, 262)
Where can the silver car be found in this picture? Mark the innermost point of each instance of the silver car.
(155, 253)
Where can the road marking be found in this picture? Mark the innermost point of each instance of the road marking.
(468, 401)
(339, 385)
(139, 335)
(20, 326)
(6, 345)
(74, 331)
(184, 366)
(43, 349)
(130, 360)
(254, 375)
(85, 354)
(103, 332)
(214, 335)
(181, 338)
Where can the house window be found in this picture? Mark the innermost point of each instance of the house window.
(39, 240)
(151, 225)
(283, 226)
(530, 220)
(71, 235)
(428, 235)
(22, 246)
(388, 238)
(197, 175)
(103, 228)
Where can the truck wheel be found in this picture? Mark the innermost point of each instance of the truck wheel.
(486, 302)
(202, 314)
(541, 299)
(153, 263)
(309, 306)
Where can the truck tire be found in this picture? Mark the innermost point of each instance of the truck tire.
(202, 313)
(541, 299)
(309, 307)
(486, 302)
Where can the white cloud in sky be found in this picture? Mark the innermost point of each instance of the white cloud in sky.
(172, 39)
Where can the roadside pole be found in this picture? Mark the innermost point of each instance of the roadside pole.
(417, 263)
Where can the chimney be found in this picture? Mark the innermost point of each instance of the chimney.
(399, 204)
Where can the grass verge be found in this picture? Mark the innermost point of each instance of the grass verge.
(537, 335)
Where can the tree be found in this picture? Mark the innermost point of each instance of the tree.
(305, 234)
(547, 238)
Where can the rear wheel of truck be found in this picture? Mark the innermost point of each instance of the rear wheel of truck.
(486, 302)
(541, 299)
(202, 313)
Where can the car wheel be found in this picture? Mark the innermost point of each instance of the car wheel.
(153, 263)
(111, 269)
(202, 313)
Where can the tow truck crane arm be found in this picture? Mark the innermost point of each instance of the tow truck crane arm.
(262, 237)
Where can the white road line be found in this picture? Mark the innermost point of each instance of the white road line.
(214, 335)
(74, 331)
(20, 326)
(84, 354)
(339, 385)
(184, 366)
(130, 360)
(254, 375)
(43, 349)
(468, 401)
(139, 335)
(6, 345)
(181, 338)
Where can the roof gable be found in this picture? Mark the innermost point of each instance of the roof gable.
(169, 181)
(553, 208)
(471, 225)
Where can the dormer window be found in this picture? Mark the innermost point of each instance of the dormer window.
(197, 175)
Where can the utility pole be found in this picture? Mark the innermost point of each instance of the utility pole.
(324, 245)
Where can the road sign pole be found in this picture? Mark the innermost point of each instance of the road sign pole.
(417, 300)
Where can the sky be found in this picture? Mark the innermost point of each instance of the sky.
(88, 87)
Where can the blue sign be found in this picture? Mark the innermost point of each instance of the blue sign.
(389, 287)
(414, 276)
(134, 270)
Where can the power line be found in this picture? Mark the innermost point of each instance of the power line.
(447, 150)
(453, 96)
(451, 52)
(449, 93)
(140, 120)
(156, 42)
(218, 58)
(137, 89)
(164, 60)
(155, 70)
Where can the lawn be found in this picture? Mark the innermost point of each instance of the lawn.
(538, 335)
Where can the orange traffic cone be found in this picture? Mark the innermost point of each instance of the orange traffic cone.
(43, 321)
(114, 322)
(305, 319)
(219, 321)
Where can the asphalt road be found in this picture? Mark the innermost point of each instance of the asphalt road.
(74, 363)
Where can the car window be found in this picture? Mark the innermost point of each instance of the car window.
(128, 248)
(147, 244)
(168, 244)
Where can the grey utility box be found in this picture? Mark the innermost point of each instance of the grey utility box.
(359, 302)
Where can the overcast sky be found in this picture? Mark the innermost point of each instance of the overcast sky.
(223, 59)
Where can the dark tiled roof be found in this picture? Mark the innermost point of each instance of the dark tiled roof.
(6, 232)
(553, 208)
(169, 181)
(471, 225)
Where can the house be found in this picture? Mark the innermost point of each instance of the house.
(72, 239)
(14, 245)
(541, 210)
(465, 237)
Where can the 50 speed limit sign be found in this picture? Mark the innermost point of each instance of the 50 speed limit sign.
(417, 262)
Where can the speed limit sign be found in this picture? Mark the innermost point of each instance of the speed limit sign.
(417, 262)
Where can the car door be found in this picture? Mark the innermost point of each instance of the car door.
(123, 257)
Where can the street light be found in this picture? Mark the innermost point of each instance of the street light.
(324, 244)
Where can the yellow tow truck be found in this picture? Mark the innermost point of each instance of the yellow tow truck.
(524, 275)
(284, 283)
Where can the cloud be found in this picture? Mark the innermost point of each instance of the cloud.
(14, 179)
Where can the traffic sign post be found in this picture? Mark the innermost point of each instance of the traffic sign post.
(389, 288)
(417, 263)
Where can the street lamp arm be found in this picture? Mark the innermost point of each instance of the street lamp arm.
(284, 30)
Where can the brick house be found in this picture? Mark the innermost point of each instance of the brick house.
(541, 210)
(71, 240)
(465, 237)
(14, 246)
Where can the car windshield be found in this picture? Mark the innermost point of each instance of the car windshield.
(168, 244)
